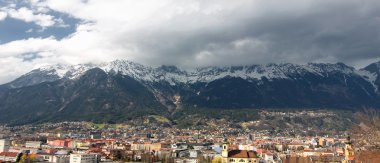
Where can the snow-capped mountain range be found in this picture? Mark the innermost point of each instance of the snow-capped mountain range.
(174, 75)
(122, 89)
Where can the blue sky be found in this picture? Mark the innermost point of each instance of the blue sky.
(188, 33)
(12, 29)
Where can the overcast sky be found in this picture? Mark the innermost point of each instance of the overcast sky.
(186, 33)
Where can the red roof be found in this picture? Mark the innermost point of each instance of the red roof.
(9, 154)
(242, 154)
(260, 150)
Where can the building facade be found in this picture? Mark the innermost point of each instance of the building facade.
(4, 145)
(83, 158)
(33, 144)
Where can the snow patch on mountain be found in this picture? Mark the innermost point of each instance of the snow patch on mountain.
(174, 75)
(371, 77)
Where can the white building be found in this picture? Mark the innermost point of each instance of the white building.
(83, 158)
(33, 144)
(53, 158)
(193, 153)
(269, 157)
(4, 145)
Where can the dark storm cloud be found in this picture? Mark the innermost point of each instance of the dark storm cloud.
(188, 33)
(317, 31)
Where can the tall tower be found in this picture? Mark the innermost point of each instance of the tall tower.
(225, 150)
(348, 151)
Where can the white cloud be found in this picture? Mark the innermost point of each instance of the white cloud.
(3, 15)
(27, 15)
(31, 45)
(198, 33)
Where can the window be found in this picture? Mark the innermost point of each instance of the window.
(241, 160)
(232, 160)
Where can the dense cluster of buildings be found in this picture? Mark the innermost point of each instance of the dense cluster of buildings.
(171, 145)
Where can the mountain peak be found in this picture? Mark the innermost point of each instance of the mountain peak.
(173, 74)
(125, 85)
(373, 68)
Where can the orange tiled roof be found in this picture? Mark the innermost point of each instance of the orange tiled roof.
(9, 154)
(242, 154)
(33, 155)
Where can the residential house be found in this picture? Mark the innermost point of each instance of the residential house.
(8, 156)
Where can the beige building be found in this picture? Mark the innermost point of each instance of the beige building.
(33, 144)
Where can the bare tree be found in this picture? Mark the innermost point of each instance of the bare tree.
(366, 134)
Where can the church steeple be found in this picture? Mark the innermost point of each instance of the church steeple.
(348, 151)
(225, 149)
